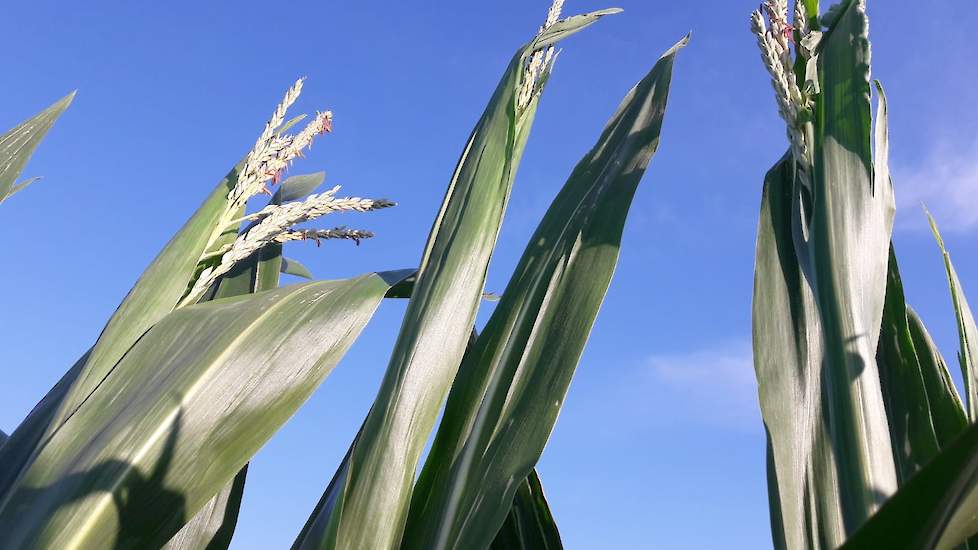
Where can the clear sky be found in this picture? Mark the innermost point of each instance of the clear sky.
(660, 443)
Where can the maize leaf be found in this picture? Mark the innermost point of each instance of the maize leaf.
(529, 525)
(967, 331)
(205, 388)
(818, 303)
(17, 145)
(366, 505)
(509, 390)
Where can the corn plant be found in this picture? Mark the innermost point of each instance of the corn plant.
(145, 441)
(869, 445)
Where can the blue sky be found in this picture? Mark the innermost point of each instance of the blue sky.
(659, 444)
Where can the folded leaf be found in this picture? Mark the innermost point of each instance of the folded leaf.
(205, 388)
(509, 390)
(818, 305)
(17, 145)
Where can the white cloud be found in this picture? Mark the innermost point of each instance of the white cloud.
(716, 385)
(946, 182)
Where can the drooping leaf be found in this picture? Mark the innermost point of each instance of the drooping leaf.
(509, 390)
(936, 509)
(293, 267)
(367, 503)
(205, 388)
(967, 331)
(17, 145)
(529, 525)
(818, 302)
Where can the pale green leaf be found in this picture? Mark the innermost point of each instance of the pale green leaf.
(17, 145)
(967, 331)
(293, 267)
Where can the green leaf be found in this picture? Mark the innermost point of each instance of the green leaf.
(297, 187)
(936, 509)
(818, 304)
(154, 296)
(912, 426)
(213, 526)
(367, 503)
(16, 453)
(967, 331)
(947, 412)
(509, 390)
(203, 390)
(293, 267)
(17, 145)
(529, 525)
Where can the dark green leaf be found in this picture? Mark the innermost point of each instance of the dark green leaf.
(529, 525)
(936, 509)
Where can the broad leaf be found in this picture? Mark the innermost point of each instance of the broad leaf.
(204, 389)
(213, 526)
(17, 145)
(509, 390)
(367, 503)
(529, 525)
(818, 303)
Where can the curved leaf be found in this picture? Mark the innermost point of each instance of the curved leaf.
(509, 389)
(203, 390)
(367, 503)
(17, 145)
(293, 267)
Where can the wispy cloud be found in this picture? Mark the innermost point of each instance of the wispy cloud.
(946, 182)
(714, 385)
